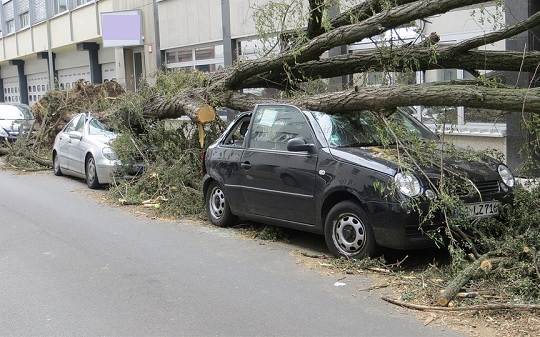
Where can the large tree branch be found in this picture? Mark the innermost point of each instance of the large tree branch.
(370, 98)
(363, 11)
(415, 59)
(392, 18)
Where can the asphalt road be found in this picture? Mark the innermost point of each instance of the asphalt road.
(71, 265)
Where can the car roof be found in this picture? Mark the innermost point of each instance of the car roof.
(15, 111)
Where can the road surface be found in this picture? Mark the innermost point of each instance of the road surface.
(71, 265)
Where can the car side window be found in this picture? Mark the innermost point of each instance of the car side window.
(71, 125)
(274, 126)
(80, 124)
(237, 136)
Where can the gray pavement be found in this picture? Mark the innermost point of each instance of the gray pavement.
(70, 265)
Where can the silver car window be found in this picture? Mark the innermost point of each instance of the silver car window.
(71, 125)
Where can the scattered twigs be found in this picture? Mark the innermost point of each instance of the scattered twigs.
(40, 161)
(467, 239)
(457, 283)
(497, 306)
(381, 286)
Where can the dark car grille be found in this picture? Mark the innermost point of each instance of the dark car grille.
(484, 187)
(488, 187)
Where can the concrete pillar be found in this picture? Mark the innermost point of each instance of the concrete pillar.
(95, 68)
(226, 28)
(23, 83)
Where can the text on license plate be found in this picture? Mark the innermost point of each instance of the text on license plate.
(480, 209)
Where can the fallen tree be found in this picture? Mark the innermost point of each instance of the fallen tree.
(306, 61)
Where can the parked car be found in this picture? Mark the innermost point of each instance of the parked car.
(15, 119)
(323, 173)
(82, 149)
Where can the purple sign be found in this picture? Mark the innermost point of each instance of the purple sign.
(121, 29)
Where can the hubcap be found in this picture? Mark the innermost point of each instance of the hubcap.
(91, 170)
(217, 203)
(349, 234)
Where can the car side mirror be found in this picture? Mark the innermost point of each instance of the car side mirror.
(300, 144)
(75, 135)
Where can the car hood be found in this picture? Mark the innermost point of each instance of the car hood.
(102, 139)
(386, 160)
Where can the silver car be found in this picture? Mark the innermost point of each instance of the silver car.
(15, 119)
(82, 149)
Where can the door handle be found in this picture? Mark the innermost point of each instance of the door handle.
(246, 165)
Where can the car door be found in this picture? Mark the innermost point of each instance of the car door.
(75, 146)
(278, 183)
(64, 141)
(225, 163)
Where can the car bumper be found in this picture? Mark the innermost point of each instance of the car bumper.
(396, 227)
(109, 171)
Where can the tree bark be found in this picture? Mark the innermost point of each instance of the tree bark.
(367, 98)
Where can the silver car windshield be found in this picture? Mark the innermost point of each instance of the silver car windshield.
(96, 128)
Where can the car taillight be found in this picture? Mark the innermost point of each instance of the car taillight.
(203, 166)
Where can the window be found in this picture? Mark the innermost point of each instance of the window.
(24, 20)
(274, 126)
(23, 10)
(59, 6)
(204, 58)
(237, 136)
(82, 2)
(10, 26)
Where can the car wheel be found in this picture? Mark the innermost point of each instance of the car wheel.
(91, 174)
(217, 207)
(56, 166)
(348, 233)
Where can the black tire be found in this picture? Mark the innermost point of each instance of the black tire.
(56, 166)
(217, 207)
(348, 233)
(91, 173)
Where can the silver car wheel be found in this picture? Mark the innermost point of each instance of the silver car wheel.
(56, 166)
(91, 174)
(216, 203)
(349, 234)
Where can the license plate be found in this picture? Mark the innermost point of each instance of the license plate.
(481, 209)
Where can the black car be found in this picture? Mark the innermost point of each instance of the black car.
(328, 174)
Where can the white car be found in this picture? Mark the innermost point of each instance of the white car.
(82, 149)
(15, 119)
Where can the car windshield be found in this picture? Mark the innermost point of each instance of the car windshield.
(15, 112)
(96, 128)
(366, 128)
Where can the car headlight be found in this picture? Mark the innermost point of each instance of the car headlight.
(506, 175)
(3, 133)
(109, 153)
(407, 184)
